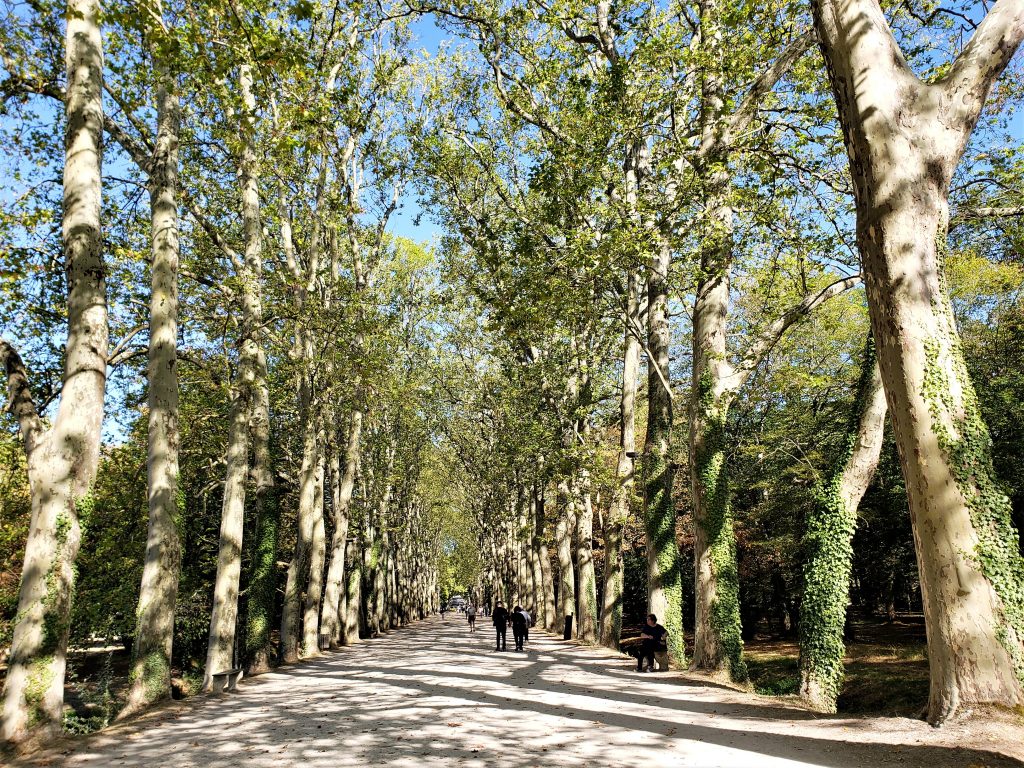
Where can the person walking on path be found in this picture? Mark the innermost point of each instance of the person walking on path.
(443, 609)
(652, 640)
(529, 623)
(499, 618)
(471, 617)
(518, 627)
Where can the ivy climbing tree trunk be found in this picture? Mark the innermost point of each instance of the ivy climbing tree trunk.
(829, 543)
(263, 575)
(62, 460)
(614, 580)
(260, 607)
(251, 362)
(154, 625)
(298, 569)
(718, 647)
(904, 138)
(664, 577)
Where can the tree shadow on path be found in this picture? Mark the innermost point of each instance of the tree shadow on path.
(432, 694)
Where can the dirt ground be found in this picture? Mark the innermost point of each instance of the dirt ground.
(432, 694)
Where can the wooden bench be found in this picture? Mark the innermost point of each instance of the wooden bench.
(227, 680)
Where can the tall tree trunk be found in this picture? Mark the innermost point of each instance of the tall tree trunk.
(62, 461)
(548, 581)
(537, 596)
(260, 607)
(829, 541)
(371, 554)
(664, 577)
(380, 578)
(314, 591)
(353, 600)
(220, 650)
(266, 500)
(586, 626)
(342, 501)
(154, 627)
(718, 645)
(614, 580)
(904, 138)
(563, 539)
(298, 569)
(375, 546)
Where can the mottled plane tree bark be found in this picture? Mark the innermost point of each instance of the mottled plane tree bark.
(154, 631)
(904, 138)
(62, 460)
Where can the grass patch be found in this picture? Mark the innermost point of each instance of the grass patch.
(886, 668)
(773, 674)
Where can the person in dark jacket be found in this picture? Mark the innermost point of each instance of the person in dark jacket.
(652, 640)
(518, 627)
(499, 618)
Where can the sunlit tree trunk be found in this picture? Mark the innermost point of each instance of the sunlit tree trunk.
(904, 138)
(563, 540)
(352, 605)
(263, 578)
(263, 574)
(345, 484)
(154, 628)
(587, 599)
(62, 461)
(220, 651)
(314, 589)
(379, 576)
(548, 583)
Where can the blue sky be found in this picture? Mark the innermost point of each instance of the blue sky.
(410, 222)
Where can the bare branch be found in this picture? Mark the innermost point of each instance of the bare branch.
(114, 358)
(765, 83)
(769, 337)
(985, 212)
(984, 58)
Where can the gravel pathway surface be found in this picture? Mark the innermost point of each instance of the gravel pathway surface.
(433, 694)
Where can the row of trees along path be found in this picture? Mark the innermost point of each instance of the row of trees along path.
(333, 426)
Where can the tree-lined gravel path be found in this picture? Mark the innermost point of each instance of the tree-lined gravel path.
(432, 694)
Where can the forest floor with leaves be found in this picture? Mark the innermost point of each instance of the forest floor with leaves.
(434, 694)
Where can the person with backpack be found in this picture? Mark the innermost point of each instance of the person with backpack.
(529, 623)
(471, 617)
(519, 624)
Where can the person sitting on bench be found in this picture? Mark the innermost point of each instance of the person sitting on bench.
(652, 640)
